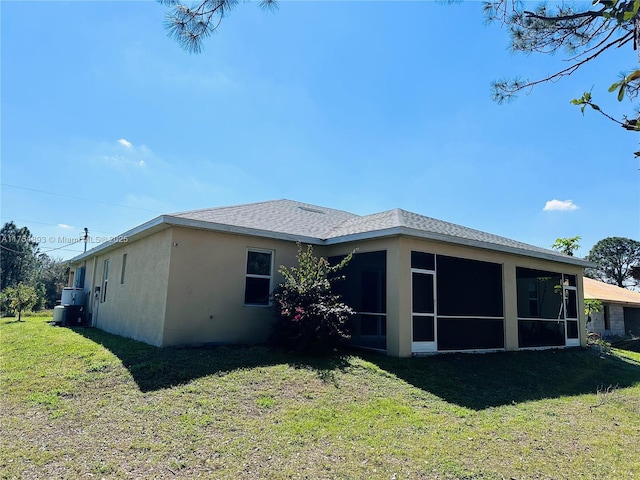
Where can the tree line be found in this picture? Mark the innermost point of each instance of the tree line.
(29, 279)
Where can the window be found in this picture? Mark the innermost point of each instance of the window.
(457, 303)
(539, 294)
(362, 284)
(469, 287)
(470, 304)
(79, 278)
(547, 308)
(423, 261)
(258, 277)
(124, 266)
(607, 318)
(105, 280)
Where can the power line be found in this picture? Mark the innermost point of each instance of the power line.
(78, 198)
(10, 249)
(63, 247)
(44, 250)
(51, 224)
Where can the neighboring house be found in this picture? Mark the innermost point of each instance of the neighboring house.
(620, 315)
(418, 284)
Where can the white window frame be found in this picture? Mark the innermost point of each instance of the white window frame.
(255, 275)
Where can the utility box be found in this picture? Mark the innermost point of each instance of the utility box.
(74, 316)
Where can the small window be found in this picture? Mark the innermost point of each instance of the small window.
(79, 278)
(124, 266)
(105, 280)
(423, 261)
(258, 277)
(607, 318)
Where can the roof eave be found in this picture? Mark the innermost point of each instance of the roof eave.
(165, 221)
(412, 232)
(224, 228)
(140, 231)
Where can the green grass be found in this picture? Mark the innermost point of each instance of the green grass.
(80, 403)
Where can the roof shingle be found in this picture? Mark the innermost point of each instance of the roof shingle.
(293, 220)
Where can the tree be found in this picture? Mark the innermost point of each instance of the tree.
(567, 245)
(51, 278)
(191, 25)
(585, 30)
(20, 298)
(309, 317)
(18, 261)
(591, 305)
(616, 258)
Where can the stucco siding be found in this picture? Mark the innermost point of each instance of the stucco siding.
(205, 301)
(135, 308)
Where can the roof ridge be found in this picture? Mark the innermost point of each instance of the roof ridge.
(226, 207)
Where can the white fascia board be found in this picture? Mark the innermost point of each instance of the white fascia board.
(140, 231)
(234, 229)
(165, 221)
(412, 232)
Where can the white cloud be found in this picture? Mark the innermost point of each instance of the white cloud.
(559, 205)
(133, 156)
(65, 226)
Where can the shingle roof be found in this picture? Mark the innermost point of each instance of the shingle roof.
(280, 216)
(325, 224)
(420, 223)
(609, 293)
(290, 220)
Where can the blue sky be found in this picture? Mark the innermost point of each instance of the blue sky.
(360, 106)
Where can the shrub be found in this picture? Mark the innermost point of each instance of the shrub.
(309, 317)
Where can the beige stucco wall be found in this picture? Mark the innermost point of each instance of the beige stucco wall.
(186, 286)
(205, 301)
(135, 308)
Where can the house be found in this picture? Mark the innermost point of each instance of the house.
(418, 284)
(620, 315)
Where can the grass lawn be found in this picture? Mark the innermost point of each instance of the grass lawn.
(80, 403)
